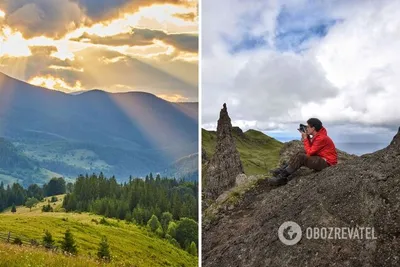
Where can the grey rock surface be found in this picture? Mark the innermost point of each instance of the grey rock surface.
(360, 191)
(225, 164)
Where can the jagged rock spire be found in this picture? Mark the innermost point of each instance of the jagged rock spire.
(225, 164)
(396, 139)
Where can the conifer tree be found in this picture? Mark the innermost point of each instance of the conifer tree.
(48, 241)
(104, 250)
(68, 243)
(13, 208)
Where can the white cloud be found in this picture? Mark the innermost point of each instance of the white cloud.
(350, 76)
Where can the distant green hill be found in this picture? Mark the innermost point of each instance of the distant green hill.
(185, 168)
(130, 244)
(17, 167)
(258, 152)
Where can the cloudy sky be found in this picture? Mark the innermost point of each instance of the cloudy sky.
(117, 46)
(278, 63)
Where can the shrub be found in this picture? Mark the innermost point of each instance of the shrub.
(104, 221)
(17, 241)
(47, 208)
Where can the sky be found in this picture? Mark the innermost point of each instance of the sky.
(116, 46)
(277, 63)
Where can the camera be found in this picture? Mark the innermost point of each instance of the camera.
(302, 128)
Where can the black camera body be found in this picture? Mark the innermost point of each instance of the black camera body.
(302, 128)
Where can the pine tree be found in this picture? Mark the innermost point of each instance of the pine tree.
(128, 216)
(68, 244)
(104, 250)
(160, 232)
(172, 229)
(48, 241)
(166, 217)
(13, 209)
(192, 249)
(153, 223)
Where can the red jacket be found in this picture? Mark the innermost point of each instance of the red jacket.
(321, 145)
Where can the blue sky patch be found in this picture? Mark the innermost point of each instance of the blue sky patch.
(248, 42)
(294, 27)
(294, 39)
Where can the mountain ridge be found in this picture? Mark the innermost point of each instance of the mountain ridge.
(130, 133)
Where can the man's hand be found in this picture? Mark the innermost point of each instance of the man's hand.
(303, 136)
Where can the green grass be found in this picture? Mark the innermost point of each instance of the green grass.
(258, 152)
(130, 244)
(21, 256)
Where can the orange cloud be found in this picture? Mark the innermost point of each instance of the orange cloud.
(173, 98)
(55, 83)
(13, 44)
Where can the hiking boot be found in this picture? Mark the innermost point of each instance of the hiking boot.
(278, 180)
(277, 171)
(281, 178)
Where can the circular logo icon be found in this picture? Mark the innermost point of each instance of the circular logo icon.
(289, 233)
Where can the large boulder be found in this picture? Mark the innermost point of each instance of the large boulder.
(292, 147)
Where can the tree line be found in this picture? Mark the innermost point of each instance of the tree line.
(17, 195)
(136, 199)
(168, 207)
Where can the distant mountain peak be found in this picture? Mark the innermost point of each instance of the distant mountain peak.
(121, 134)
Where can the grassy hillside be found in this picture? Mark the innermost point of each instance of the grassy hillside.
(258, 152)
(130, 245)
(16, 256)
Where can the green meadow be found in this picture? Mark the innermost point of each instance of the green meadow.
(258, 152)
(130, 245)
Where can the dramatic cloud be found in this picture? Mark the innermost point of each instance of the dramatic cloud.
(98, 68)
(144, 37)
(98, 10)
(115, 46)
(186, 16)
(276, 64)
(42, 17)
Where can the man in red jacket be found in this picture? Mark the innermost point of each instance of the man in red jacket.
(319, 153)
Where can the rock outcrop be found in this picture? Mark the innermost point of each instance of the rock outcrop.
(359, 192)
(225, 164)
(292, 147)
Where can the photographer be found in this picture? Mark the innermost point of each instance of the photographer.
(319, 152)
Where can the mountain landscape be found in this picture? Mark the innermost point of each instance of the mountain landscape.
(146, 222)
(240, 225)
(47, 133)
